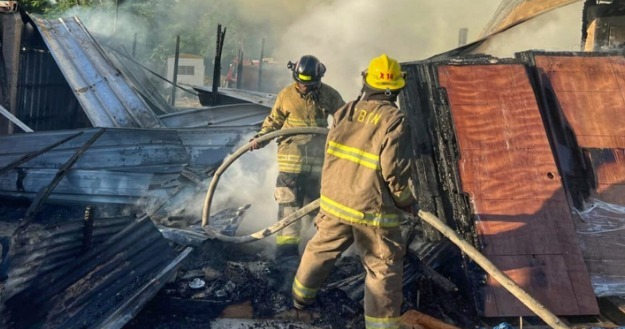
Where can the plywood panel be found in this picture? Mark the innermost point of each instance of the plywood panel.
(503, 174)
(590, 92)
(543, 275)
(507, 168)
(511, 227)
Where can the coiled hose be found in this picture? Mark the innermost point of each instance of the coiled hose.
(284, 222)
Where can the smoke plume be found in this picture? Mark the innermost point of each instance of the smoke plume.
(343, 34)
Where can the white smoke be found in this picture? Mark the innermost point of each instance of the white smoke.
(250, 180)
(344, 35)
(347, 34)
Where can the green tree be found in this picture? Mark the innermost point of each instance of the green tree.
(35, 6)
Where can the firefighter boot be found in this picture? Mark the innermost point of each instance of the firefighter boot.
(286, 251)
(287, 261)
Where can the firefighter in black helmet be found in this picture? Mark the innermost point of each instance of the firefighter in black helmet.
(307, 102)
(307, 72)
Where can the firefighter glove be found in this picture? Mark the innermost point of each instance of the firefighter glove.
(412, 209)
(255, 144)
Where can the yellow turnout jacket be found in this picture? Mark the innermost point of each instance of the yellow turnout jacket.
(367, 164)
(301, 153)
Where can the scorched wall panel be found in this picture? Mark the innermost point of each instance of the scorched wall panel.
(507, 168)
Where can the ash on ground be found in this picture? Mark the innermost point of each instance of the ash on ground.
(218, 276)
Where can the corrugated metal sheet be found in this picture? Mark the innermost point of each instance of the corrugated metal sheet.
(120, 166)
(45, 100)
(224, 115)
(58, 242)
(234, 96)
(136, 74)
(105, 95)
(105, 287)
(123, 149)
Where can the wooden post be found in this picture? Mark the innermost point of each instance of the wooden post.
(217, 68)
(11, 34)
(240, 69)
(172, 101)
(134, 46)
(260, 64)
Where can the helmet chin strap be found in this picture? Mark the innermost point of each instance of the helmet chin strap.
(305, 90)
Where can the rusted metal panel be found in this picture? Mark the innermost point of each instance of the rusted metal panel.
(12, 27)
(105, 287)
(49, 245)
(507, 167)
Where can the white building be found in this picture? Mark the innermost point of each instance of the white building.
(190, 69)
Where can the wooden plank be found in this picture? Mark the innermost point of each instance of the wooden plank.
(243, 310)
(507, 167)
(414, 319)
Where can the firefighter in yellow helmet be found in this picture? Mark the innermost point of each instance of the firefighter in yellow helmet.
(305, 103)
(364, 191)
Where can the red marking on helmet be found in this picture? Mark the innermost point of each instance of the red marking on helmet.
(386, 76)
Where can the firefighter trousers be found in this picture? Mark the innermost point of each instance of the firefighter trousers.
(381, 251)
(293, 191)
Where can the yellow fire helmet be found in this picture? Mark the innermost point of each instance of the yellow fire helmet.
(385, 73)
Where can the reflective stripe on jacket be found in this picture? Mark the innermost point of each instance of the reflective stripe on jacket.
(367, 165)
(301, 153)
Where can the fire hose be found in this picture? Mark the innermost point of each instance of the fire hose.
(282, 223)
(531, 303)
